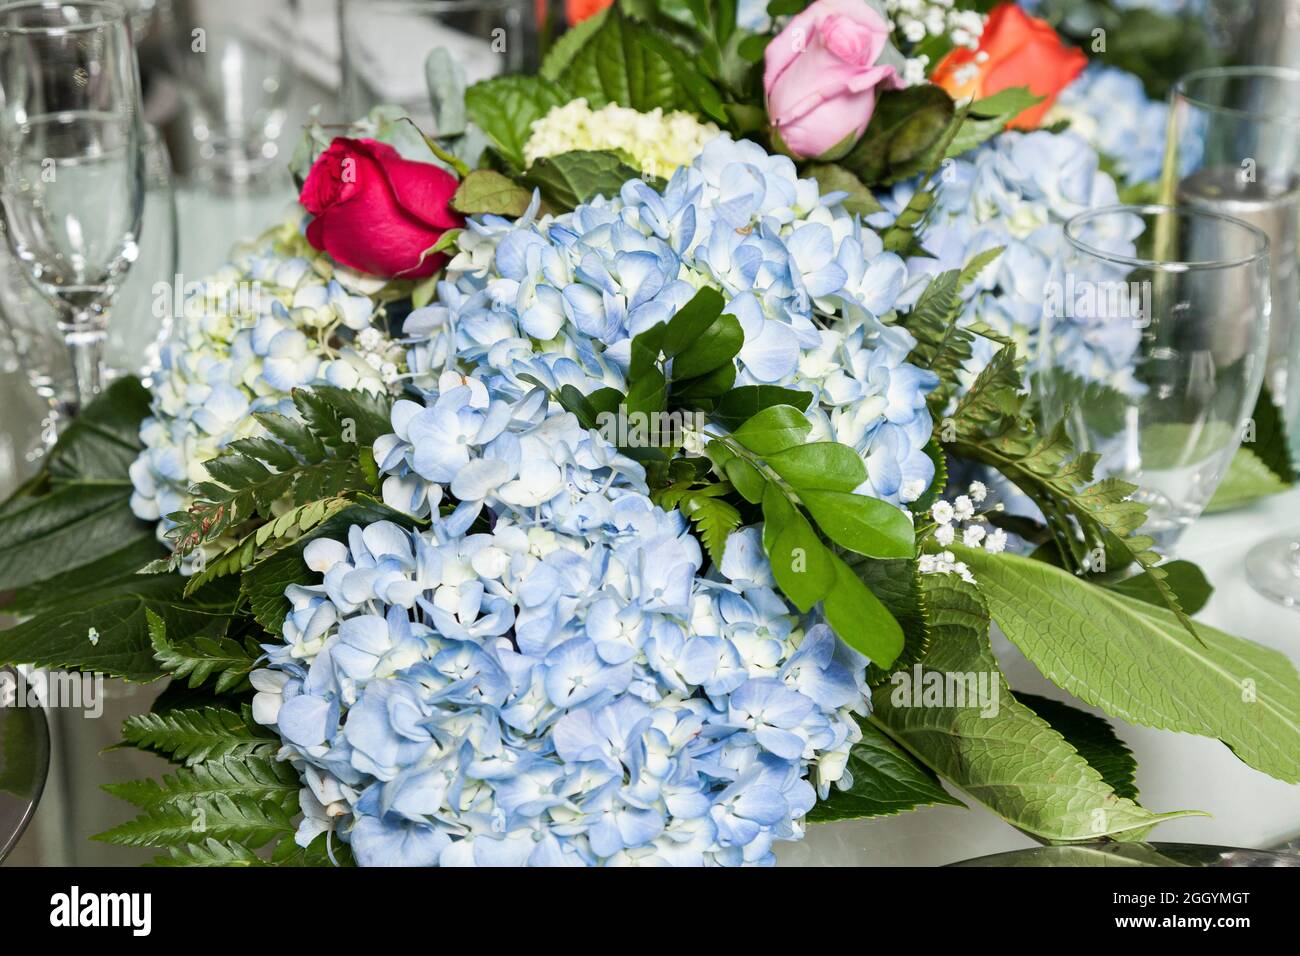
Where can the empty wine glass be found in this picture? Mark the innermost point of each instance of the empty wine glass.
(235, 77)
(386, 44)
(72, 190)
(1152, 350)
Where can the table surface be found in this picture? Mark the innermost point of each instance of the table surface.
(1176, 771)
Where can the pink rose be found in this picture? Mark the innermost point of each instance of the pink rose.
(377, 212)
(821, 75)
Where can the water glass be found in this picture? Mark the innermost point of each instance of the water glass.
(1177, 300)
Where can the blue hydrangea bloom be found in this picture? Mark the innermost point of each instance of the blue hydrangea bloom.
(1110, 108)
(552, 673)
(559, 300)
(1018, 191)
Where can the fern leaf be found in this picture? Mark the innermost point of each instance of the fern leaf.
(202, 657)
(256, 778)
(714, 520)
(209, 852)
(199, 734)
(218, 817)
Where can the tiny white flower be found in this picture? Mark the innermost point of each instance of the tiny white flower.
(978, 491)
(996, 542)
(944, 534)
(972, 536)
(963, 508)
(93, 636)
(942, 512)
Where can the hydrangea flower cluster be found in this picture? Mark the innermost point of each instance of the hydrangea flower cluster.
(1018, 191)
(1109, 108)
(560, 300)
(657, 143)
(276, 318)
(561, 688)
(552, 673)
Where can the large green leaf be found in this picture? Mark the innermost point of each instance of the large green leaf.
(1138, 663)
(573, 178)
(995, 749)
(77, 511)
(106, 630)
(633, 65)
(505, 108)
(886, 780)
(1248, 479)
(1093, 737)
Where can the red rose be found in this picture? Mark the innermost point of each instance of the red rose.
(1015, 50)
(377, 212)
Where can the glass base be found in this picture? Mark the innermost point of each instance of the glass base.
(1273, 569)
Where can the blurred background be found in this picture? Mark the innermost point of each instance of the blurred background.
(229, 86)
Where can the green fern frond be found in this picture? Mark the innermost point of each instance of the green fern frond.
(257, 778)
(217, 817)
(199, 734)
(714, 519)
(209, 852)
(321, 454)
(203, 656)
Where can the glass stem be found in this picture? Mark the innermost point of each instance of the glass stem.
(84, 336)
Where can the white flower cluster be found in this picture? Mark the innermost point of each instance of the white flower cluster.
(656, 142)
(917, 19)
(948, 517)
(278, 317)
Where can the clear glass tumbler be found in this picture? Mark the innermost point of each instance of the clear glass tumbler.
(1177, 299)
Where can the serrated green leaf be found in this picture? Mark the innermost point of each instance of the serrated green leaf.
(1248, 479)
(505, 107)
(634, 65)
(996, 750)
(1093, 738)
(886, 780)
(570, 179)
(202, 656)
(714, 520)
(485, 191)
(210, 852)
(218, 817)
(1137, 663)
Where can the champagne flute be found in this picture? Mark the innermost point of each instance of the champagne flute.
(72, 174)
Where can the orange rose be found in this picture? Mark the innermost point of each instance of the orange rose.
(575, 11)
(1022, 51)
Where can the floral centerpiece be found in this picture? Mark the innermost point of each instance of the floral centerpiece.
(572, 484)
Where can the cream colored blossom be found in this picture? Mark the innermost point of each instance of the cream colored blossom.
(655, 142)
